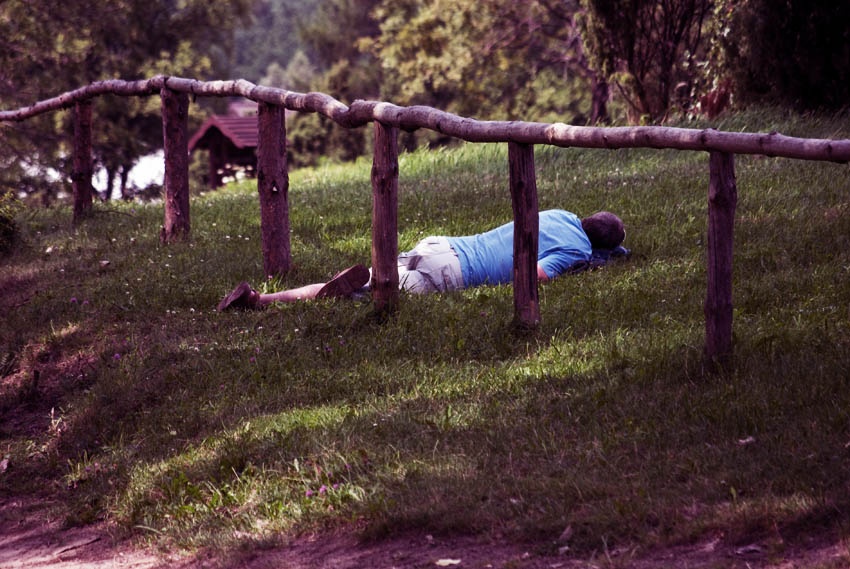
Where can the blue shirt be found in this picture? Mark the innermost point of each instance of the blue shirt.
(488, 258)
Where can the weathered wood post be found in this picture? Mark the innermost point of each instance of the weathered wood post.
(175, 120)
(385, 293)
(526, 226)
(722, 201)
(83, 167)
(273, 187)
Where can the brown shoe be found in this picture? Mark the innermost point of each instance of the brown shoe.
(243, 297)
(345, 283)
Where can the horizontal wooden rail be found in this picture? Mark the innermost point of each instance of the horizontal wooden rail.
(415, 117)
(521, 137)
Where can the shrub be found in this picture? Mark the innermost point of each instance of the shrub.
(9, 231)
(313, 138)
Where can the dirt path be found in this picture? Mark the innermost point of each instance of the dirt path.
(30, 539)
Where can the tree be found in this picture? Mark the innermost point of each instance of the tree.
(494, 59)
(646, 48)
(299, 74)
(272, 38)
(329, 39)
(50, 46)
(331, 34)
(794, 53)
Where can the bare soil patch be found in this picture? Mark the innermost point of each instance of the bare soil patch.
(32, 537)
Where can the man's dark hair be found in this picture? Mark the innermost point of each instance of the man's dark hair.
(604, 229)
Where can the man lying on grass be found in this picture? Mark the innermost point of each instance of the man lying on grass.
(566, 244)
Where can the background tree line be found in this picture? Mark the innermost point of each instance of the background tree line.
(50, 46)
(577, 61)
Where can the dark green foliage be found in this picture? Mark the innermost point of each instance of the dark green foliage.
(648, 49)
(9, 231)
(48, 47)
(313, 138)
(794, 53)
(271, 38)
(499, 60)
(332, 33)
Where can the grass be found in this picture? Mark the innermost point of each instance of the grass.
(195, 428)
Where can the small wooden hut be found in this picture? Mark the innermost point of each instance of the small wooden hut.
(232, 145)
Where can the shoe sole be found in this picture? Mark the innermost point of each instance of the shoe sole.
(237, 299)
(345, 283)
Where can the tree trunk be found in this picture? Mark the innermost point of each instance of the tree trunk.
(385, 220)
(526, 226)
(599, 102)
(83, 167)
(722, 201)
(175, 119)
(125, 175)
(110, 183)
(273, 188)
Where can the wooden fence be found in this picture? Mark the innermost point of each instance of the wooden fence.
(273, 180)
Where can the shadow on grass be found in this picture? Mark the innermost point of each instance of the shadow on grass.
(634, 448)
(442, 419)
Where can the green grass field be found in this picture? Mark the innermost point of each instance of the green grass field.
(136, 402)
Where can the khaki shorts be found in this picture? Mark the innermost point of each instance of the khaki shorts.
(431, 266)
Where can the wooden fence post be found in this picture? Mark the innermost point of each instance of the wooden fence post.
(175, 120)
(722, 201)
(385, 293)
(273, 187)
(526, 226)
(83, 167)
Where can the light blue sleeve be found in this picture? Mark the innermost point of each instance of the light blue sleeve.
(559, 261)
(562, 242)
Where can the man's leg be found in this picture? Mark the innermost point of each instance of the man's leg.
(343, 284)
(306, 292)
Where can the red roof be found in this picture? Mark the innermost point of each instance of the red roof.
(241, 131)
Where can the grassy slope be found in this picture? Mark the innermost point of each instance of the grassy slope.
(204, 428)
